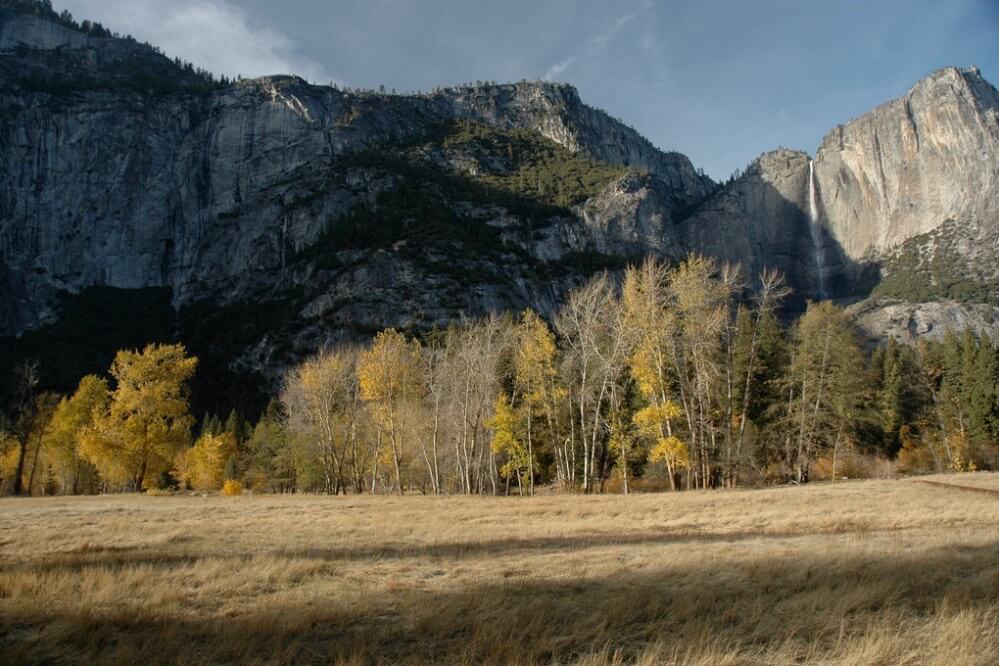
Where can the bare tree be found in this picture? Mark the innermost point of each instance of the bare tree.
(436, 357)
(320, 399)
(25, 382)
(592, 328)
(474, 351)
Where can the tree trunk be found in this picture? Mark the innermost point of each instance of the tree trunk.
(398, 469)
(586, 446)
(141, 477)
(839, 435)
(571, 450)
(437, 469)
(22, 454)
(34, 463)
(624, 471)
(374, 464)
(530, 455)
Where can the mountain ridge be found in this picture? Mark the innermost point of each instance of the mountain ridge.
(347, 212)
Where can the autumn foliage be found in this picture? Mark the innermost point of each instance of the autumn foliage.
(203, 465)
(147, 422)
(681, 376)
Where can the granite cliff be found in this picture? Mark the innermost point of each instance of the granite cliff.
(274, 215)
(897, 204)
(908, 166)
(261, 218)
(212, 190)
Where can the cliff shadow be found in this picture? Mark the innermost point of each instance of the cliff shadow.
(751, 222)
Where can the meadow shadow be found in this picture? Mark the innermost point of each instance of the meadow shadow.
(747, 604)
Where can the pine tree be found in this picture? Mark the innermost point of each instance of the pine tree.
(824, 385)
(235, 425)
(982, 377)
(268, 456)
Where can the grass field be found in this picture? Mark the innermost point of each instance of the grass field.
(987, 481)
(870, 572)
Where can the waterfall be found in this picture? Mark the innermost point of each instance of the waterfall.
(813, 225)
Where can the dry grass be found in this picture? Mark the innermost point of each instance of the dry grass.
(874, 572)
(985, 480)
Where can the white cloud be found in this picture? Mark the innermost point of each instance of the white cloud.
(601, 40)
(597, 44)
(213, 34)
(559, 67)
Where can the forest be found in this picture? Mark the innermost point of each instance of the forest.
(660, 378)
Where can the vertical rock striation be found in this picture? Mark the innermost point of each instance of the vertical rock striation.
(119, 168)
(911, 164)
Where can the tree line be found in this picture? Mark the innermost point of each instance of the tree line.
(665, 377)
(43, 8)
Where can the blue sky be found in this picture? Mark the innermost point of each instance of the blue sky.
(721, 81)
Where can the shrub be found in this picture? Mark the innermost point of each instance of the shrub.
(203, 466)
(232, 487)
(852, 464)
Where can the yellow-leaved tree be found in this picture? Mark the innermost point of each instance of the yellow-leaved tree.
(389, 375)
(72, 417)
(320, 400)
(647, 318)
(203, 465)
(9, 450)
(537, 379)
(147, 421)
(519, 462)
(666, 448)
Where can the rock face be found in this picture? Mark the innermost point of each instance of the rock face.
(904, 194)
(352, 211)
(911, 187)
(210, 190)
(909, 165)
(879, 318)
(895, 173)
(761, 220)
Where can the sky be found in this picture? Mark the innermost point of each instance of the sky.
(719, 80)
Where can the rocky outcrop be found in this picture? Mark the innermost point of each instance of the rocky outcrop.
(909, 165)
(907, 322)
(633, 216)
(557, 113)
